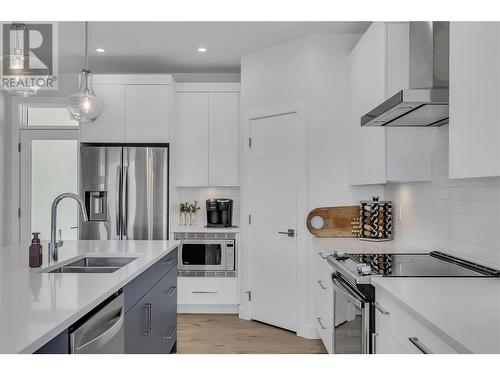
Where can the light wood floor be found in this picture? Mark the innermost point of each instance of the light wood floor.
(227, 334)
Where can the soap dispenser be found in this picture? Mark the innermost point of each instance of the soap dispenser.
(35, 251)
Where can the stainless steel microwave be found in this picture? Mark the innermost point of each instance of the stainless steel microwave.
(207, 255)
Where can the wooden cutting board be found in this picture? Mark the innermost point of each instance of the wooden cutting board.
(337, 221)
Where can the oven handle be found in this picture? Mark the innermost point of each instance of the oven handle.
(346, 293)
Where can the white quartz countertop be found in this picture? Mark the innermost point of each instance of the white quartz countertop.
(35, 307)
(464, 312)
(355, 245)
(203, 229)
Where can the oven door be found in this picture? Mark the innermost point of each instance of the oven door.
(202, 255)
(351, 331)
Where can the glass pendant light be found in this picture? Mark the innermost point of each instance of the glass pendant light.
(84, 105)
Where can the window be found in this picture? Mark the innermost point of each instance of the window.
(48, 117)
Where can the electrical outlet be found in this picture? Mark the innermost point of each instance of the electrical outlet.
(400, 212)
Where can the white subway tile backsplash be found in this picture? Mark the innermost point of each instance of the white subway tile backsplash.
(457, 216)
(201, 194)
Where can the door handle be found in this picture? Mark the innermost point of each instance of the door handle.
(321, 285)
(289, 233)
(320, 321)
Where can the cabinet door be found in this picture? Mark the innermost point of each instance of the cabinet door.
(474, 96)
(169, 310)
(367, 90)
(147, 112)
(223, 139)
(110, 125)
(143, 324)
(193, 139)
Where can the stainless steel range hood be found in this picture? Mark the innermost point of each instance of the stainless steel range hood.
(425, 103)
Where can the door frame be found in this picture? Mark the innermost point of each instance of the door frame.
(26, 136)
(245, 306)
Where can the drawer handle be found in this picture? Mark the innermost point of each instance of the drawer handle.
(381, 309)
(320, 283)
(171, 291)
(203, 292)
(414, 340)
(321, 255)
(171, 333)
(169, 261)
(320, 321)
(147, 331)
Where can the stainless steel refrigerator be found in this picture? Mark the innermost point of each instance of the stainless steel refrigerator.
(125, 189)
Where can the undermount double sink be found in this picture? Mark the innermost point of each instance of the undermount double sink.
(94, 265)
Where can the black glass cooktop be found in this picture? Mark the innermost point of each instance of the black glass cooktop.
(435, 264)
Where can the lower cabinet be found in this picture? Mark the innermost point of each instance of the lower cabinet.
(323, 318)
(151, 323)
(399, 332)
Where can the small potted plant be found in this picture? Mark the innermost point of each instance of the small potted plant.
(194, 208)
(183, 210)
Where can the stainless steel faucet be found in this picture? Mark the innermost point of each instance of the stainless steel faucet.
(54, 244)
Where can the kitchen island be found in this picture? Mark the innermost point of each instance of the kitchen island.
(36, 306)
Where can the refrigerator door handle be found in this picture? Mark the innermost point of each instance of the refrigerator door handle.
(118, 201)
(125, 202)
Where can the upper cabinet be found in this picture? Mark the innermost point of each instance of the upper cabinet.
(474, 97)
(208, 151)
(136, 109)
(379, 68)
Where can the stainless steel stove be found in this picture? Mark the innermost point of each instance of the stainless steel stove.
(354, 296)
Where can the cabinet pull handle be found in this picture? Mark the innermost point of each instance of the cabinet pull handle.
(320, 321)
(203, 292)
(321, 255)
(374, 342)
(147, 331)
(414, 340)
(381, 309)
(320, 283)
(171, 291)
(171, 333)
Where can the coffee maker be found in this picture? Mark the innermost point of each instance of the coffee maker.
(219, 212)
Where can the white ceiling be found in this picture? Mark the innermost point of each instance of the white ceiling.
(171, 47)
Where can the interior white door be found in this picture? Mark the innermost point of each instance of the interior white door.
(272, 190)
(49, 167)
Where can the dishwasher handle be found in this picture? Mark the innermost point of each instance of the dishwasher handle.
(94, 333)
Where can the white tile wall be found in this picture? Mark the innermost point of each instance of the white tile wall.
(457, 216)
(201, 194)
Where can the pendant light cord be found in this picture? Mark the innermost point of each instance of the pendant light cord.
(86, 44)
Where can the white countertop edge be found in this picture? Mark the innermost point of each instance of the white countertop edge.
(44, 339)
(450, 340)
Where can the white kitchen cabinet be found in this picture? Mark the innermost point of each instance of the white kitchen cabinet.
(136, 109)
(474, 96)
(223, 139)
(147, 113)
(193, 139)
(208, 147)
(110, 125)
(379, 69)
(323, 317)
(399, 332)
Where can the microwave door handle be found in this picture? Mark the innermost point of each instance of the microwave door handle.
(345, 292)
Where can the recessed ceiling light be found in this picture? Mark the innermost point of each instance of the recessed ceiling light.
(100, 50)
(202, 50)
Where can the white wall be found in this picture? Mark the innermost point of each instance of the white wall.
(313, 71)
(4, 165)
(457, 216)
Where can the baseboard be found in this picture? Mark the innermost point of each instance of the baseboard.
(308, 332)
(244, 312)
(207, 309)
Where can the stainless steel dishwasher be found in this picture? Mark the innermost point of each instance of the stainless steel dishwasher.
(102, 332)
